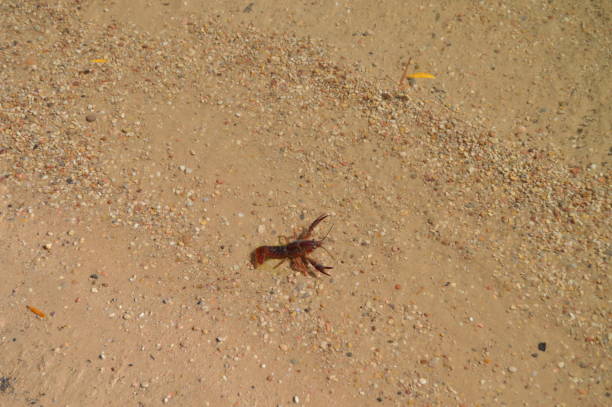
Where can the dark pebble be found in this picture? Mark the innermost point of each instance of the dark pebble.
(94, 276)
(349, 354)
(5, 384)
(90, 118)
(69, 180)
(248, 8)
(542, 346)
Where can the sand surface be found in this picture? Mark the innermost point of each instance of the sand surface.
(148, 147)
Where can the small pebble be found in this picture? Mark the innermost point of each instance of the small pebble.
(296, 399)
(90, 118)
(512, 369)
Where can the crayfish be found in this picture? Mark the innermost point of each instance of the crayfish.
(296, 251)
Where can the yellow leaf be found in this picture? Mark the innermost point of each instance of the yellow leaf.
(36, 311)
(420, 75)
(98, 61)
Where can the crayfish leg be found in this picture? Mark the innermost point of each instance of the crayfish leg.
(281, 262)
(298, 265)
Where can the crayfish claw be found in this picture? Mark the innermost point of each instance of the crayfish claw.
(320, 268)
(306, 233)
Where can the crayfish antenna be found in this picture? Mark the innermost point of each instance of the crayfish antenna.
(328, 252)
(330, 229)
(325, 237)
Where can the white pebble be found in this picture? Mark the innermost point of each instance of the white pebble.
(296, 399)
(261, 229)
(512, 369)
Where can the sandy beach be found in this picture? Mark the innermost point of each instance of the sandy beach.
(148, 147)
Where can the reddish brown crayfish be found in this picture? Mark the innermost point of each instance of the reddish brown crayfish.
(296, 251)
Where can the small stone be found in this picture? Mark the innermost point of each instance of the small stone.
(261, 229)
(561, 365)
(423, 381)
(296, 399)
(542, 346)
(512, 369)
(90, 117)
(47, 246)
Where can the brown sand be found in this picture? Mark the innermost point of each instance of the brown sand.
(146, 147)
